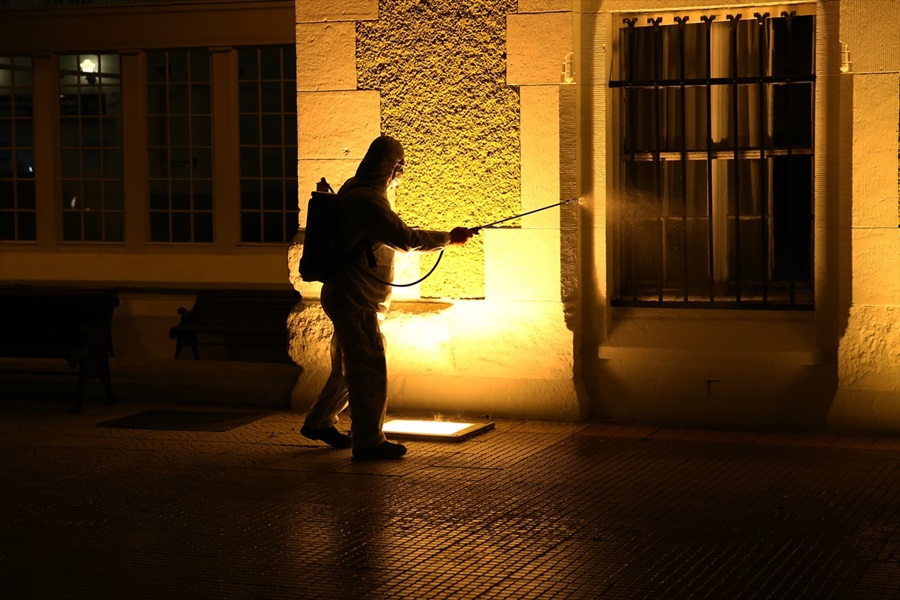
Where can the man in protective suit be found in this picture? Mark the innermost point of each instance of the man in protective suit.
(356, 298)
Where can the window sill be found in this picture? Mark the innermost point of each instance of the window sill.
(674, 335)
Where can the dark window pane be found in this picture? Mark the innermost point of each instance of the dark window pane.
(181, 195)
(71, 226)
(91, 165)
(200, 60)
(203, 163)
(7, 194)
(273, 196)
(203, 195)
(181, 163)
(248, 98)
(93, 195)
(793, 115)
(289, 101)
(7, 225)
(270, 95)
(201, 129)
(273, 162)
(179, 131)
(200, 101)
(203, 227)
(270, 63)
(159, 195)
(157, 100)
(69, 133)
(794, 46)
(273, 227)
(27, 226)
(156, 66)
(289, 66)
(181, 227)
(24, 133)
(249, 130)
(159, 227)
(159, 163)
(113, 195)
(272, 130)
(178, 65)
(248, 67)
(250, 227)
(6, 138)
(112, 133)
(250, 194)
(114, 227)
(249, 162)
(112, 164)
(25, 194)
(70, 163)
(290, 162)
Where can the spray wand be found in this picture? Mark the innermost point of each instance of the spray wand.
(530, 212)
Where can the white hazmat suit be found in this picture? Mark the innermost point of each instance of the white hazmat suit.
(355, 301)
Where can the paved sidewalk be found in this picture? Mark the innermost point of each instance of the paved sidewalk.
(529, 510)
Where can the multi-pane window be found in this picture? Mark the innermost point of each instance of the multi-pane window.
(268, 141)
(17, 200)
(90, 143)
(179, 135)
(715, 200)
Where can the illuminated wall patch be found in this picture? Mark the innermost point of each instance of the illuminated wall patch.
(441, 70)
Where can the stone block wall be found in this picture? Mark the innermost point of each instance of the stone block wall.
(514, 323)
(868, 394)
(488, 333)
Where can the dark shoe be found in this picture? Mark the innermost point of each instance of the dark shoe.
(385, 451)
(330, 436)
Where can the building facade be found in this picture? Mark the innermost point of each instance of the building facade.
(733, 256)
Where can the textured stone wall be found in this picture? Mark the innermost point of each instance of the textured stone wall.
(868, 395)
(441, 69)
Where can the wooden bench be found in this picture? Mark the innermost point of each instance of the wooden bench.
(245, 325)
(74, 324)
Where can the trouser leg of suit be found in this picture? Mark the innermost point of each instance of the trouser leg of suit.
(333, 397)
(365, 372)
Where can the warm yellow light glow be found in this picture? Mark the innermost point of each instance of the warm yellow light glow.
(88, 66)
(426, 427)
(434, 431)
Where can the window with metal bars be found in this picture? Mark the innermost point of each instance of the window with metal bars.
(17, 200)
(268, 141)
(90, 142)
(179, 135)
(715, 197)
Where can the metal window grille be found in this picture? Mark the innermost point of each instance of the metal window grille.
(17, 201)
(179, 135)
(715, 175)
(90, 136)
(268, 144)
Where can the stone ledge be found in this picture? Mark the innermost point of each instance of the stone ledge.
(314, 11)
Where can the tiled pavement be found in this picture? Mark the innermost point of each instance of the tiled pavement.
(529, 510)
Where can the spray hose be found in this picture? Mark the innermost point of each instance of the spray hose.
(474, 230)
(530, 212)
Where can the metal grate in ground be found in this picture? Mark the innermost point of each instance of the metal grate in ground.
(529, 510)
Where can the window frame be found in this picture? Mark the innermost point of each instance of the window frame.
(617, 127)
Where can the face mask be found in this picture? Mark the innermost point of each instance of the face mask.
(396, 176)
